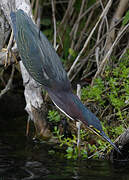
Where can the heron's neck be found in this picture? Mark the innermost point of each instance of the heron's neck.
(69, 104)
(63, 111)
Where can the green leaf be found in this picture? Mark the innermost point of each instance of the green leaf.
(53, 116)
(72, 52)
(126, 18)
(77, 5)
(90, 3)
(51, 152)
(66, 42)
(69, 150)
(46, 22)
(48, 33)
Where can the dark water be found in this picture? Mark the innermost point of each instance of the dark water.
(22, 159)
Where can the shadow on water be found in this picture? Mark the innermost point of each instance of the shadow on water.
(22, 159)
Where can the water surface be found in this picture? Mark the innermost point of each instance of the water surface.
(23, 159)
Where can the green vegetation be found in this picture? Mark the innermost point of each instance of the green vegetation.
(53, 116)
(108, 98)
(112, 90)
(126, 18)
(110, 95)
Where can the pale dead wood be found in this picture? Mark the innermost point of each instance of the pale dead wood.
(95, 5)
(33, 92)
(123, 144)
(74, 30)
(68, 11)
(54, 22)
(38, 21)
(81, 37)
(73, 19)
(13, 59)
(122, 7)
(66, 20)
(42, 128)
(7, 59)
(123, 139)
(32, 4)
(90, 36)
(99, 51)
(91, 53)
(36, 10)
(76, 24)
(106, 58)
(124, 51)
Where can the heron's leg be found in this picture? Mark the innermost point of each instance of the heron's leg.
(14, 57)
(8, 50)
(28, 125)
(78, 124)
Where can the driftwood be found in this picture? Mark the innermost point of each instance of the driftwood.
(33, 93)
(123, 143)
(121, 9)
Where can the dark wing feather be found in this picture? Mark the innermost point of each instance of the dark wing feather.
(13, 18)
(37, 54)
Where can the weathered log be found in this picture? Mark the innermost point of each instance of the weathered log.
(32, 92)
(118, 14)
(123, 143)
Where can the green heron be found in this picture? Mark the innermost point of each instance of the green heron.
(44, 65)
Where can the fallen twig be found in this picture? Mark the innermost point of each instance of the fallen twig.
(54, 21)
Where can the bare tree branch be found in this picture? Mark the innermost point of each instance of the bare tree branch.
(88, 39)
(106, 58)
(54, 21)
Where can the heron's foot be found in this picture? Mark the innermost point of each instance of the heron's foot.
(15, 59)
(7, 57)
(28, 126)
(8, 54)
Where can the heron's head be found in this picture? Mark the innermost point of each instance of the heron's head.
(98, 131)
(71, 105)
(92, 122)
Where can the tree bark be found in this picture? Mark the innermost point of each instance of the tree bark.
(32, 92)
(123, 143)
(123, 5)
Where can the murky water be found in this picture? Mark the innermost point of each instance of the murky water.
(22, 159)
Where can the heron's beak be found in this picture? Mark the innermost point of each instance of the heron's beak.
(103, 135)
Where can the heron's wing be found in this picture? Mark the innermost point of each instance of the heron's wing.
(13, 18)
(37, 54)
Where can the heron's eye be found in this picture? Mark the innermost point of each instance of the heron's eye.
(90, 126)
